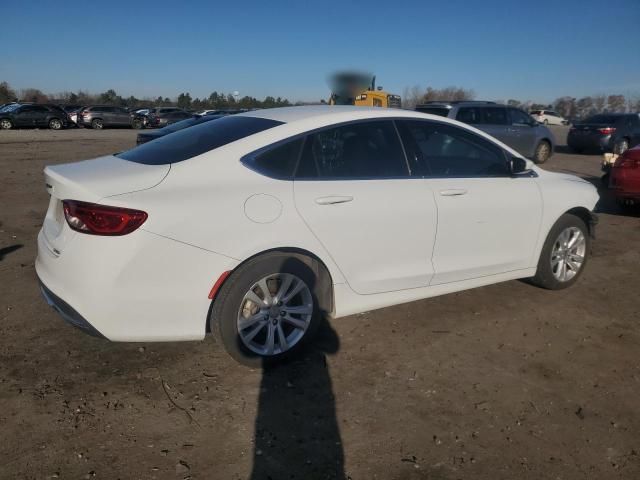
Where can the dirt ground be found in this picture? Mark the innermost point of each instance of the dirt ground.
(503, 382)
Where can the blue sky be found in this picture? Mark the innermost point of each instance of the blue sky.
(525, 49)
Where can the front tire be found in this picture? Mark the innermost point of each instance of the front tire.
(97, 124)
(564, 254)
(268, 309)
(6, 124)
(543, 152)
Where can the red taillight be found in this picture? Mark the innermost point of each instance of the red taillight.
(629, 159)
(607, 130)
(97, 219)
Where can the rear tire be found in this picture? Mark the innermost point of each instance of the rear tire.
(97, 124)
(6, 124)
(543, 152)
(137, 124)
(546, 122)
(233, 307)
(558, 250)
(55, 124)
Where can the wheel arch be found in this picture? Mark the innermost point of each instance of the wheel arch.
(586, 216)
(325, 280)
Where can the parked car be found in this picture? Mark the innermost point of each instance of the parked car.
(32, 115)
(174, 127)
(624, 177)
(5, 105)
(226, 111)
(101, 116)
(548, 117)
(162, 117)
(72, 113)
(606, 132)
(141, 117)
(256, 225)
(510, 125)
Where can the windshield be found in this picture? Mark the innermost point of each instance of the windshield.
(196, 140)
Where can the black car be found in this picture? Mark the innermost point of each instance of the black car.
(174, 127)
(163, 117)
(607, 132)
(33, 115)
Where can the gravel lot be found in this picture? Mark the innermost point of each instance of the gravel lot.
(502, 382)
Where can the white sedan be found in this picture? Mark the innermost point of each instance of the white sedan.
(255, 226)
(548, 117)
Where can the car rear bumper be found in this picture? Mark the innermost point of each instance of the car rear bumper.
(138, 287)
(67, 312)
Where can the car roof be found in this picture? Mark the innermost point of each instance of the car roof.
(446, 103)
(329, 112)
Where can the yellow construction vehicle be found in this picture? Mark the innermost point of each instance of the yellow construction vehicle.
(360, 90)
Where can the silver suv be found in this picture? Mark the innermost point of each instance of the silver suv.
(100, 116)
(510, 125)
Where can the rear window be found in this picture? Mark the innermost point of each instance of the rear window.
(196, 140)
(603, 119)
(440, 111)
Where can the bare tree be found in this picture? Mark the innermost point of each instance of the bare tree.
(33, 95)
(584, 107)
(448, 94)
(565, 106)
(616, 103)
(599, 102)
(411, 97)
(7, 94)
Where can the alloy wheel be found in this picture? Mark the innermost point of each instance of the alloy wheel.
(568, 254)
(543, 152)
(275, 314)
(55, 124)
(5, 124)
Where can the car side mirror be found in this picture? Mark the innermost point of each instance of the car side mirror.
(519, 166)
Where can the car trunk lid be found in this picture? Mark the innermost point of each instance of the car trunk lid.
(91, 181)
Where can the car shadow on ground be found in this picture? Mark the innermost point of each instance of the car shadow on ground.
(296, 429)
(7, 250)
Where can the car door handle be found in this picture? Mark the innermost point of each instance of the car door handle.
(454, 192)
(333, 199)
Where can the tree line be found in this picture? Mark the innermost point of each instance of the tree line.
(568, 107)
(217, 100)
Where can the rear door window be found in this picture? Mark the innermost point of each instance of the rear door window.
(471, 115)
(362, 150)
(196, 140)
(494, 116)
